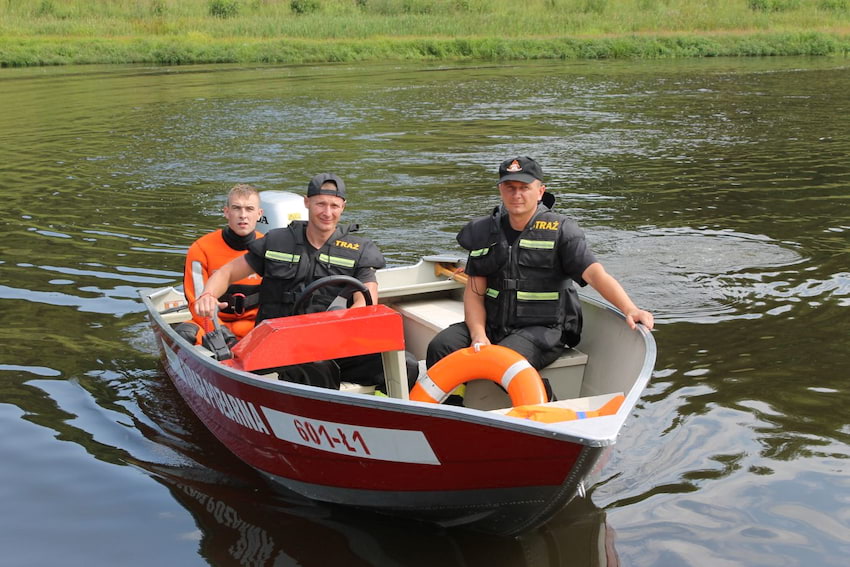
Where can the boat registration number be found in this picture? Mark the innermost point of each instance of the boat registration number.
(398, 445)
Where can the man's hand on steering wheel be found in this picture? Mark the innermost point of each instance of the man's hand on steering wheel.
(351, 286)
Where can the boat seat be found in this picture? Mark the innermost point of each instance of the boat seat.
(423, 319)
(177, 317)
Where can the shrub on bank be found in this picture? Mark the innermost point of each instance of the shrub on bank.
(223, 8)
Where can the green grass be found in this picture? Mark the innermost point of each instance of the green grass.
(54, 32)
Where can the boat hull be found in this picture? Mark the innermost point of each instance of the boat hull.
(396, 457)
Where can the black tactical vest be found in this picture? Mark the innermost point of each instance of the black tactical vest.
(526, 285)
(290, 264)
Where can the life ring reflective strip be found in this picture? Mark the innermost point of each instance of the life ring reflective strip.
(496, 363)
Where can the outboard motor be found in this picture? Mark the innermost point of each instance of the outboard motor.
(279, 209)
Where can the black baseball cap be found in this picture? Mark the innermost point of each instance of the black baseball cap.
(315, 185)
(522, 168)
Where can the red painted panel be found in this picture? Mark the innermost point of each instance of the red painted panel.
(320, 336)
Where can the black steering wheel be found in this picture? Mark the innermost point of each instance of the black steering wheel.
(352, 286)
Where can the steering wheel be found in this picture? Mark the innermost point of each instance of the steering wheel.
(352, 285)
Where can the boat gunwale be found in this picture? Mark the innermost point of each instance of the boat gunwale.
(564, 431)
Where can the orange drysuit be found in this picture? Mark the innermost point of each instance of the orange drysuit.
(205, 256)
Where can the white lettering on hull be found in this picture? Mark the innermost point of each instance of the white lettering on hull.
(238, 410)
(395, 445)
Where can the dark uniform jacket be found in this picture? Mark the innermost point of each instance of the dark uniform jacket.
(288, 263)
(530, 282)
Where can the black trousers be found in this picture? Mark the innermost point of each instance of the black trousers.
(365, 369)
(368, 369)
(456, 337)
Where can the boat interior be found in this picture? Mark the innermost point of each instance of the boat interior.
(438, 304)
(583, 379)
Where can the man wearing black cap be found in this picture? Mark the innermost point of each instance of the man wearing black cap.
(523, 260)
(293, 257)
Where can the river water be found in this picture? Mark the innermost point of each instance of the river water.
(717, 191)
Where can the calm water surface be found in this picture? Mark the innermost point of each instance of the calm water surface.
(716, 191)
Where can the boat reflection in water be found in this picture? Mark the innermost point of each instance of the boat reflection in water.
(260, 528)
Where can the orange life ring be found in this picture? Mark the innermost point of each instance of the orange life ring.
(499, 364)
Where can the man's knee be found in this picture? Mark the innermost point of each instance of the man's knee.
(450, 339)
(364, 369)
(322, 374)
(189, 331)
(537, 356)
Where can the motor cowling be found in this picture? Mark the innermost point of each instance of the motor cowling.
(279, 209)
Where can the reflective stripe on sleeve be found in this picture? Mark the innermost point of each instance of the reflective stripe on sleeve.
(197, 278)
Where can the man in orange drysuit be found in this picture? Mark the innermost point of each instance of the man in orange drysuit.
(211, 251)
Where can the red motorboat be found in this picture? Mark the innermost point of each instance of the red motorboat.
(487, 465)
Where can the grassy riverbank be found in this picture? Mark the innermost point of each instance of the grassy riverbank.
(56, 32)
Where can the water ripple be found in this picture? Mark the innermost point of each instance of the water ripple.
(686, 274)
(121, 300)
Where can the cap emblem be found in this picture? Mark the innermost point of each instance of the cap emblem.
(514, 167)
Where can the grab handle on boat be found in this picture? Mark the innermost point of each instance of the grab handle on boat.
(182, 307)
